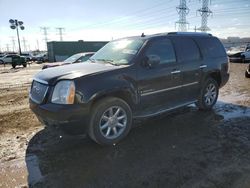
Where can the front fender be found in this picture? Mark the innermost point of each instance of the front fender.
(108, 84)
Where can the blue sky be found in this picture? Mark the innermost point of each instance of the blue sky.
(111, 19)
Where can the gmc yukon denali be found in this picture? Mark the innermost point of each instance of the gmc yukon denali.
(133, 77)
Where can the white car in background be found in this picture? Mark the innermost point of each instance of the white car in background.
(246, 55)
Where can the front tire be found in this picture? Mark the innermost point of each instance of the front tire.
(13, 65)
(111, 121)
(208, 95)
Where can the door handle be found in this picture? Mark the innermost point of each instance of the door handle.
(175, 72)
(203, 66)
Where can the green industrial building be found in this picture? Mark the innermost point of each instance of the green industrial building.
(60, 50)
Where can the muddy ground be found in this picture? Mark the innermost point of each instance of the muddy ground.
(187, 148)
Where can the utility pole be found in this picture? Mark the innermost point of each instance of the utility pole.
(205, 12)
(13, 43)
(183, 11)
(15, 24)
(24, 44)
(60, 32)
(45, 33)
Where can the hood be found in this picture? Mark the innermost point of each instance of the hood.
(49, 65)
(72, 71)
(53, 64)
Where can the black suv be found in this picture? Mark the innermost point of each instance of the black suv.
(134, 77)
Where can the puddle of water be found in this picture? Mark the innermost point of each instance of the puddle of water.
(230, 111)
(35, 174)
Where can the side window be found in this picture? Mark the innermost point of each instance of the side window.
(162, 48)
(84, 58)
(211, 47)
(186, 49)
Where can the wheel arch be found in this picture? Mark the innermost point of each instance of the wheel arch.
(126, 95)
(214, 75)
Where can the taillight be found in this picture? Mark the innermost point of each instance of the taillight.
(225, 67)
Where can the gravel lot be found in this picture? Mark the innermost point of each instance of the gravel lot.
(187, 148)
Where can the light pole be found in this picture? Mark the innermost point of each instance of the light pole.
(14, 24)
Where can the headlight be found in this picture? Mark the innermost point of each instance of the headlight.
(64, 92)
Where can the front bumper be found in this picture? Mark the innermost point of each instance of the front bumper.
(72, 119)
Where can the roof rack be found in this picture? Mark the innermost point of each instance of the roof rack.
(190, 33)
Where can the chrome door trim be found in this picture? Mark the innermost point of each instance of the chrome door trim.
(203, 66)
(168, 89)
(176, 72)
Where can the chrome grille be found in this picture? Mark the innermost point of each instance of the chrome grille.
(38, 92)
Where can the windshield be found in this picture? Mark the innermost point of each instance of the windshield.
(119, 52)
(72, 58)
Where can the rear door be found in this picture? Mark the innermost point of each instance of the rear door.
(159, 85)
(189, 59)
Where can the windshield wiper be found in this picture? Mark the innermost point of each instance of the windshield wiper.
(92, 60)
(109, 61)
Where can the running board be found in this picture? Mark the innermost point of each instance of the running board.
(163, 111)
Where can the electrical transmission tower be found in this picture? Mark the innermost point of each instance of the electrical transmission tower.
(13, 43)
(45, 33)
(205, 12)
(183, 11)
(24, 44)
(60, 32)
(7, 47)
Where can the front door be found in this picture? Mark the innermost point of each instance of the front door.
(159, 86)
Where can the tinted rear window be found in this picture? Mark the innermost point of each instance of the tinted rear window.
(186, 49)
(211, 47)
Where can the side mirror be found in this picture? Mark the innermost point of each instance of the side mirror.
(151, 61)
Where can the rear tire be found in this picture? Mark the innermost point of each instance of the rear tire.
(13, 65)
(208, 95)
(110, 122)
(24, 64)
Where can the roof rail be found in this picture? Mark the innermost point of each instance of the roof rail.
(190, 33)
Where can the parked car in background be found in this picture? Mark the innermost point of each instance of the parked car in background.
(246, 55)
(27, 56)
(133, 77)
(240, 56)
(1, 55)
(14, 60)
(77, 58)
(42, 57)
(247, 73)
